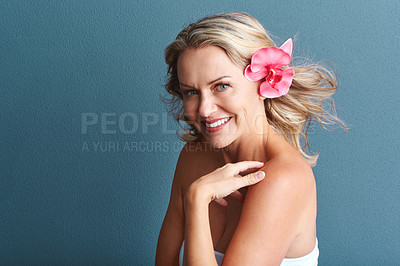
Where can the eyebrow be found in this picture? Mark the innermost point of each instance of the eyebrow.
(215, 80)
(209, 83)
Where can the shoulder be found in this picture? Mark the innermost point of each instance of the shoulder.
(287, 192)
(275, 212)
(195, 160)
(288, 178)
(288, 171)
(190, 153)
(199, 154)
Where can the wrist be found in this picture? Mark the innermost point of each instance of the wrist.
(195, 196)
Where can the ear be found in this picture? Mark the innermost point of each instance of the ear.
(287, 46)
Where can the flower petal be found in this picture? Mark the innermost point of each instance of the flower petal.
(266, 91)
(269, 57)
(255, 76)
(283, 86)
(288, 46)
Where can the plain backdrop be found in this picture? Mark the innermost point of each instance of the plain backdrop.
(88, 150)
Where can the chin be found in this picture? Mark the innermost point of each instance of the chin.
(219, 143)
(218, 140)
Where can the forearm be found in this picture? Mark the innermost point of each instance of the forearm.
(199, 248)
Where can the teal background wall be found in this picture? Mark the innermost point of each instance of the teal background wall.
(88, 152)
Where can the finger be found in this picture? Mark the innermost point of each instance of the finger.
(252, 178)
(243, 166)
(238, 196)
(221, 202)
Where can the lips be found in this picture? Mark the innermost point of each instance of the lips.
(215, 124)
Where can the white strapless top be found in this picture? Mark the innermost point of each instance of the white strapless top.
(311, 259)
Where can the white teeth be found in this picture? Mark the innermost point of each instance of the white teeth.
(218, 123)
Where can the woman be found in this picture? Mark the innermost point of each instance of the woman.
(243, 191)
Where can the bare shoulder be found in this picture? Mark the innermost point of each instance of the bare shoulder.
(196, 159)
(289, 186)
(185, 163)
(283, 209)
(289, 171)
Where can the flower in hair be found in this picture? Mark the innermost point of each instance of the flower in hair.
(267, 64)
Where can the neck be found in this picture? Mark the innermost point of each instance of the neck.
(243, 148)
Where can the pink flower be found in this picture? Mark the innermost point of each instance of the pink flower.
(267, 64)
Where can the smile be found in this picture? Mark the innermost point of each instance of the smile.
(217, 124)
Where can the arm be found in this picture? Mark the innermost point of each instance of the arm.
(199, 248)
(214, 186)
(172, 230)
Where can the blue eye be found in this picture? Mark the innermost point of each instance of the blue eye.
(222, 87)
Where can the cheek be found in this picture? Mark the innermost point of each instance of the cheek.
(190, 109)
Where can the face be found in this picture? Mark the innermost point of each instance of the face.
(220, 102)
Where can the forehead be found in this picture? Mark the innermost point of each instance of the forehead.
(205, 63)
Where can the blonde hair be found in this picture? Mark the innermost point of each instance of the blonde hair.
(240, 35)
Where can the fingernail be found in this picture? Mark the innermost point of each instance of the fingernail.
(260, 174)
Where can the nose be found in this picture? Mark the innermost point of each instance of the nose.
(207, 105)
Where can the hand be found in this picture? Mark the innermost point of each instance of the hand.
(226, 181)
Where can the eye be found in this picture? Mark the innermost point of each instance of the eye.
(222, 87)
(189, 93)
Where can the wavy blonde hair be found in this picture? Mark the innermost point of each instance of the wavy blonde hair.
(240, 35)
